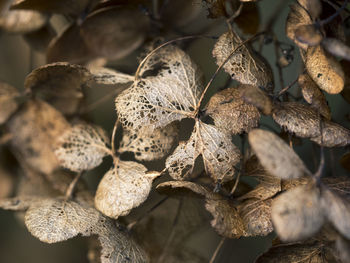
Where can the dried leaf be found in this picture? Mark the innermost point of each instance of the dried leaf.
(297, 17)
(297, 118)
(60, 84)
(297, 214)
(109, 76)
(8, 103)
(123, 188)
(183, 188)
(114, 32)
(170, 94)
(35, 129)
(22, 21)
(218, 153)
(337, 210)
(333, 135)
(256, 97)
(314, 96)
(325, 70)
(308, 34)
(231, 113)
(82, 147)
(245, 65)
(343, 249)
(217, 8)
(148, 145)
(336, 48)
(256, 216)
(314, 7)
(276, 156)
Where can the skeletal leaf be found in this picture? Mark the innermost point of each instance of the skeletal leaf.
(256, 217)
(297, 17)
(148, 145)
(231, 113)
(82, 147)
(308, 34)
(122, 188)
(298, 252)
(55, 220)
(276, 156)
(297, 118)
(297, 214)
(336, 48)
(109, 76)
(256, 97)
(218, 153)
(61, 84)
(337, 210)
(35, 129)
(168, 90)
(325, 70)
(183, 188)
(113, 32)
(245, 65)
(22, 21)
(8, 103)
(333, 135)
(314, 96)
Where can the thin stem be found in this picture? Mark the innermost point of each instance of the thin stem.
(284, 90)
(221, 66)
(71, 187)
(219, 246)
(236, 184)
(279, 68)
(113, 137)
(330, 18)
(236, 14)
(318, 174)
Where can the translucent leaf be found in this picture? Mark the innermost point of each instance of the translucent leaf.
(148, 145)
(8, 103)
(104, 31)
(109, 76)
(333, 135)
(313, 95)
(122, 188)
(231, 113)
(297, 214)
(337, 211)
(82, 147)
(325, 70)
(276, 156)
(218, 153)
(168, 90)
(35, 129)
(245, 65)
(256, 97)
(336, 48)
(297, 118)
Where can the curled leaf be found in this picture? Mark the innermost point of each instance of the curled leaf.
(122, 188)
(256, 97)
(8, 103)
(276, 156)
(245, 65)
(297, 214)
(231, 113)
(308, 34)
(82, 147)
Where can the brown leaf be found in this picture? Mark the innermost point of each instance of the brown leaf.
(109, 76)
(325, 70)
(276, 156)
(169, 89)
(256, 97)
(297, 118)
(219, 154)
(82, 147)
(8, 94)
(35, 129)
(122, 188)
(333, 135)
(308, 34)
(183, 188)
(313, 95)
(297, 214)
(40, 39)
(245, 65)
(336, 48)
(231, 113)
(114, 32)
(61, 84)
(314, 7)
(217, 8)
(148, 145)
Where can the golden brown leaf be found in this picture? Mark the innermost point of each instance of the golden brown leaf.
(325, 70)
(245, 65)
(333, 135)
(231, 113)
(8, 103)
(308, 34)
(256, 97)
(297, 214)
(314, 7)
(276, 156)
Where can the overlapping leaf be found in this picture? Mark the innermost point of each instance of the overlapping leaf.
(8, 103)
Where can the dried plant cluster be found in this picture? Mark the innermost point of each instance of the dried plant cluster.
(253, 188)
